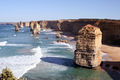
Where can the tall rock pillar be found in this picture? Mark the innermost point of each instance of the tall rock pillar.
(88, 47)
(16, 27)
(36, 29)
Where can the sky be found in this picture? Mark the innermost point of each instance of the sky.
(28, 10)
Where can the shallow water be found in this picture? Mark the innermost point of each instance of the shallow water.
(41, 58)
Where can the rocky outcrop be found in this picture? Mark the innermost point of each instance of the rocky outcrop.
(21, 25)
(63, 41)
(36, 29)
(88, 47)
(58, 35)
(26, 24)
(109, 28)
(31, 25)
(16, 27)
(48, 24)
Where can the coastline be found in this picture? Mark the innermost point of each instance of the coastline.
(110, 54)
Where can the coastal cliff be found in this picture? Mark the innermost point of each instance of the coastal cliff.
(109, 28)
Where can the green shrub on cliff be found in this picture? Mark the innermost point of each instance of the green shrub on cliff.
(8, 75)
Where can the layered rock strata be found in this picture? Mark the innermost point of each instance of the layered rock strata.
(88, 47)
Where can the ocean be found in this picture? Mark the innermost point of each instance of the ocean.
(41, 58)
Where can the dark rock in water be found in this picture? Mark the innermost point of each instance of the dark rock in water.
(88, 47)
(64, 41)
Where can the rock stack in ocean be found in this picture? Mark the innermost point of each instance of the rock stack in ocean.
(31, 26)
(16, 27)
(58, 35)
(21, 25)
(26, 24)
(88, 47)
(35, 28)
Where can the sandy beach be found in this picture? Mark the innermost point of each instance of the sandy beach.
(112, 51)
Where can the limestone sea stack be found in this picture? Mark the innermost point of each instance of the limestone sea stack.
(88, 47)
(26, 24)
(16, 27)
(31, 26)
(58, 35)
(36, 29)
(21, 25)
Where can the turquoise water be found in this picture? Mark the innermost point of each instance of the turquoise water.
(41, 58)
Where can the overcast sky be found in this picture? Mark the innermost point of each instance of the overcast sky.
(27, 10)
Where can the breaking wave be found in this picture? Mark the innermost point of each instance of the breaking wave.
(3, 43)
(21, 64)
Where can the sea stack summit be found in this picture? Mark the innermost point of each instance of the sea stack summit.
(88, 47)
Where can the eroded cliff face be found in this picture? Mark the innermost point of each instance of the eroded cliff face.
(48, 24)
(109, 28)
(111, 31)
(88, 47)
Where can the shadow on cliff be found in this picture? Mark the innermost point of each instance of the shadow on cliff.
(112, 68)
(60, 61)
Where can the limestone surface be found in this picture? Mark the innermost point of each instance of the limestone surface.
(88, 47)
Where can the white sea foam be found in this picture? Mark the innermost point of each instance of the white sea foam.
(22, 31)
(21, 64)
(50, 33)
(14, 35)
(3, 43)
(43, 30)
(18, 45)
(61, 43)
(47, 30)
(64, 36)
(105, 56)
